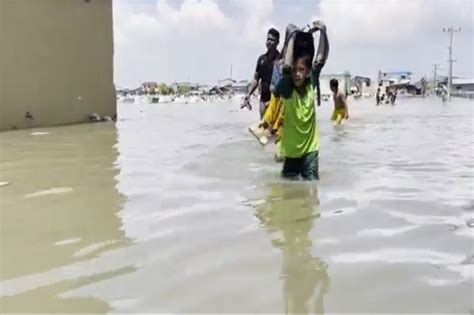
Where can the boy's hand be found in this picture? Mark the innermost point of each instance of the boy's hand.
(317, 25)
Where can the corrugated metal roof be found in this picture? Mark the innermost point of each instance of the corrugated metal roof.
(397, 72)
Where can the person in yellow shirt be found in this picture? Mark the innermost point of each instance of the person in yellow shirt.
(273, 118)
(271, 123)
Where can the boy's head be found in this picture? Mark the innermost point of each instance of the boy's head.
(273, 39)
(301, 70)
(334, 85)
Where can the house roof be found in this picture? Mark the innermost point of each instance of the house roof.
(463, 81)
(397, 72)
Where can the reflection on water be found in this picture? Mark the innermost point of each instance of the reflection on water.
(59, 209)
(288, 215)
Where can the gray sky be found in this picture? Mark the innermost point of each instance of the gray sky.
(198, 40)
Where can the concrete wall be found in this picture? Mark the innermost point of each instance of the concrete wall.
(56, 61)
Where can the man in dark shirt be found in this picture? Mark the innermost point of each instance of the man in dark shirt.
(264, 70)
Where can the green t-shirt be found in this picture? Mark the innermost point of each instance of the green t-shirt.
(300, 130)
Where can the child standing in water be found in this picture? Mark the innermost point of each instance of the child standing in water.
(377, 97)
(300, 137)
(340, 105)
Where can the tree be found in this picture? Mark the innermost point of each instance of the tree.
(164, 89)
(183, 89)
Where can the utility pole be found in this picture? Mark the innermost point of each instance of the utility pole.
(435, 65)
(451, 30)
(231, 71)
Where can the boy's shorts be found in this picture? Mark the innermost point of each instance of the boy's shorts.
(338, 115)
(305, 166)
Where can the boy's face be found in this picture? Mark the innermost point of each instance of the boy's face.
(300, 73)
(333, 89)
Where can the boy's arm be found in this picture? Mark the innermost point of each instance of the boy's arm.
(315, 72)
(344, 102)
(321, 57)
(285, 87)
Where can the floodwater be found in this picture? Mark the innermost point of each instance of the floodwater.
(176, 208)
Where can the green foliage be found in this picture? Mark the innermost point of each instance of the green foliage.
(183, 89)
(164, 89)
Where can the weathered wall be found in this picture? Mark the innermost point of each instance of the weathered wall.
(56, 61)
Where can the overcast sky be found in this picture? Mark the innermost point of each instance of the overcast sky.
(198, 40)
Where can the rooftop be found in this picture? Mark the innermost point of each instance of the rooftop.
(463, 81)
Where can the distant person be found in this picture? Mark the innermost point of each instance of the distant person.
(263, 72)
(300, 138)
(389, 96)
(377, 97)
(394, 97)
(341, 111)
(444, 93)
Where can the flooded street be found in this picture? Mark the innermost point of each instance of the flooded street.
(176, 208)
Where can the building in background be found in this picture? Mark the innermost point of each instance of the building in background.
(241, 87)
(226, 82)
(150, 87)
(399, 81)
(56, 62)
(463, 85)
(394, 78)
(360, 86)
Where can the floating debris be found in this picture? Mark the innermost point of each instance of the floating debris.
(4, 184)
(94, 117)
(52, 191)
(28, 115)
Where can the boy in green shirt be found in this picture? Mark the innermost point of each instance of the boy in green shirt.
(300, 139)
